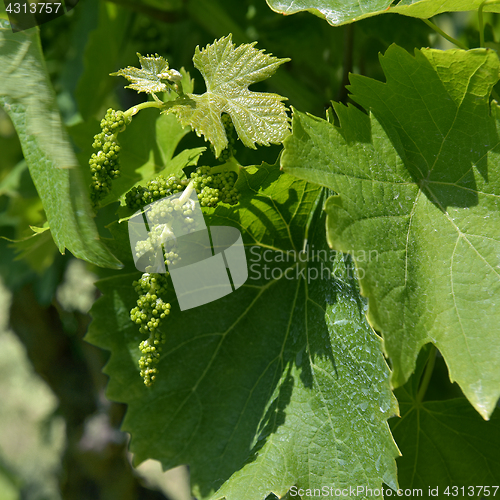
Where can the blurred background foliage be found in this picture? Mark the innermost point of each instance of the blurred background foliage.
(59, 436)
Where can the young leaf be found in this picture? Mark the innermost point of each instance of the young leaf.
(422, 194)
(281, 383)
(259, 117)
(149, 78)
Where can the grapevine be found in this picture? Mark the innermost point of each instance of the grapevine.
(167, 199)
(213, 185)
(370, 243)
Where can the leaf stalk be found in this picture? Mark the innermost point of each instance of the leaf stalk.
(429, 368)
(481, 21)
(437, 29)
(148, 104)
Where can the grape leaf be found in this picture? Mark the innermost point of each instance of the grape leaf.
(279, 384)
(27, 96)
(338, 12)
(258, 117)
(421, 192)
(444, 443)
(149, 78)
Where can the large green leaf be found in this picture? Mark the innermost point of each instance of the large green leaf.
(419, 195)
(338, 12)
(280, 384)
(27, 96)
(444, 443)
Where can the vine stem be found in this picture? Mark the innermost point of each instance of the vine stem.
(148, 104)
(348, 62)
(437, 29)
(431, 360)
(480, 19)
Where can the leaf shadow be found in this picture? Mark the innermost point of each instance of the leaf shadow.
(275, 416)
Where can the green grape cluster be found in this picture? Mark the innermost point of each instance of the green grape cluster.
(213, 188)
(153, 244)
(148, 314)
(154, 190)
(169, 213)
(104, 163)
(165, 217)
